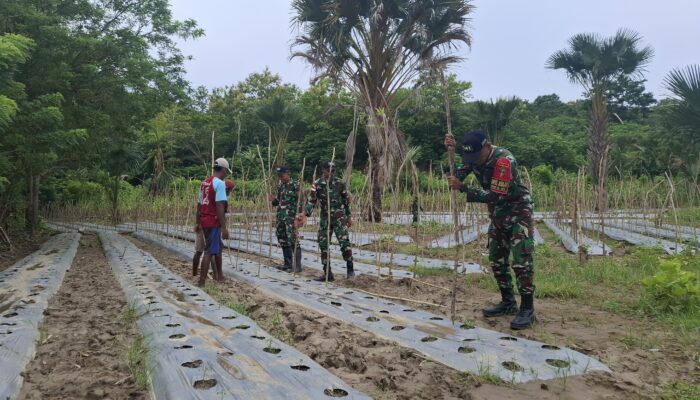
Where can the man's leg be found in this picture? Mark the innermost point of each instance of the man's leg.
(323, 246)
(219, 266)
(499, 248)
(195, 262)
(211, 241)
(523, 247)
(198, 250)
(341, 233)
(283, 241)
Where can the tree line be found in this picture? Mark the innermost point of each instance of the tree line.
(93, 97)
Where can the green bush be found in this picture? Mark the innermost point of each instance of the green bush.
(674, 288)
(542, 174)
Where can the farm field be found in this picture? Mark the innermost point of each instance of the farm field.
(366, 199)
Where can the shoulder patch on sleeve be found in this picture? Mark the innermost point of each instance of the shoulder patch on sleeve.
(502, 175)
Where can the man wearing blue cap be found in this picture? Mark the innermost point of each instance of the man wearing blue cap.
(510, 210)
(286, 201)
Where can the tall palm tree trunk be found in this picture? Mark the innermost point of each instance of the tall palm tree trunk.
(599, 147)
(387, 147)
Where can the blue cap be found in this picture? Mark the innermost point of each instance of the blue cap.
(282, 170)
(471, 145)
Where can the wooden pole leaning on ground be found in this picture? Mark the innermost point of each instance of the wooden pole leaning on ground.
(300, 196)
(453, 195)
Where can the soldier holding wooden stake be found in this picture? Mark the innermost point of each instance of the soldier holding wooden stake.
(286, 201)
(331, 190)
(510, 210)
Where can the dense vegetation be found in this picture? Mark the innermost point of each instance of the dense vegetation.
(93, 99)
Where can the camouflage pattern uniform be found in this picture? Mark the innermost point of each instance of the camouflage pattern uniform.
(340, 212)
(510, 210)
(286, 203)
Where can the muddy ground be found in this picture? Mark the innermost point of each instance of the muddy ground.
(85, 336)
(369, 364)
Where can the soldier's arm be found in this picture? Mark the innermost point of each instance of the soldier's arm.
(313, 199)
(502, 182)
(346, 199)
(462, 172)
(476, 195)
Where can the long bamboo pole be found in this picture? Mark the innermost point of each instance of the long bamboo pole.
(453, 195)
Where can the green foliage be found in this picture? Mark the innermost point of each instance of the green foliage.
(674, 288)
(681, 391)
(542, 174)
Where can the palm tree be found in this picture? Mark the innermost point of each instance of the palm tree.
(684, 114)
(374, 48)
(594, 62)
(279, 116)
(494, 116)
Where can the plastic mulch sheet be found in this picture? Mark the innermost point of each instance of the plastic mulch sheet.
(460, 346)
(199, 349)
(25, 290)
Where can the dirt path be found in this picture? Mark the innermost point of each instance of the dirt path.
(372, 365)
(22, 246)
(85, 336)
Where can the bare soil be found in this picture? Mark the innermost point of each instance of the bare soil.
(374, 366)
(22, 246)
(85, 336)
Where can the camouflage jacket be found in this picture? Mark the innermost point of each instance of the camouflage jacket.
(339, 198)
(287, 199)
(502, 187)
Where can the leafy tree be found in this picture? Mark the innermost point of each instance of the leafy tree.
(595, 62)
(627, 99)
(376, 47)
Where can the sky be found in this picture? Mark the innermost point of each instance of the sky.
(512, 40)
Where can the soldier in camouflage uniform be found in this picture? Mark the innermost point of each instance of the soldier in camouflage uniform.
(287, 208)
(340, 217)
(510, 210)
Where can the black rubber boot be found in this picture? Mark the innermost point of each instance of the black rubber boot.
(322, 278)
(350, 269)
(526, 316)
(288, 254)
(297, 259)
(507, 306)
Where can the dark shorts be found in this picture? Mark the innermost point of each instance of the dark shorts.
(212, 241)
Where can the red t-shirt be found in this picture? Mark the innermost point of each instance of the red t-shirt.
(207, 205)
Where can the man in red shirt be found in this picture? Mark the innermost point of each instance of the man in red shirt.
(199, 239)
(211, 214)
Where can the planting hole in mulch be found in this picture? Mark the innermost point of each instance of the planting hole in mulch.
(192, 364)
(466, 349)
(558, 363)
(512, 366)
(429, 339)
(335, 392)
(272, 350)
(398, 328)
(204, 384)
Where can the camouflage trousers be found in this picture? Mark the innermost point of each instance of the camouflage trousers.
(339, 227)
(512, 236)
(285, 232)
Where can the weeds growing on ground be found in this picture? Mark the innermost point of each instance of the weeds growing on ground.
(136, 361)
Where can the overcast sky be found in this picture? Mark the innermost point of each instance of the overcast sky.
(512, 40)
